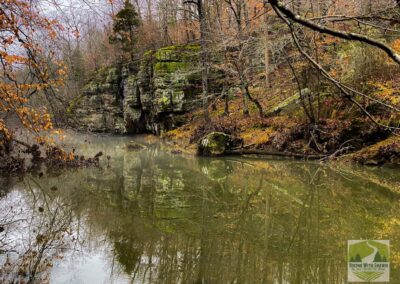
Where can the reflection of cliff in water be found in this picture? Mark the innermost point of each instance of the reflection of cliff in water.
(176, 219)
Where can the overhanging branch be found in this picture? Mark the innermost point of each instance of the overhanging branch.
(279, 6)
(345, 91)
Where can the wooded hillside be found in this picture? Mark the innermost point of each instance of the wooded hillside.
(311, 78)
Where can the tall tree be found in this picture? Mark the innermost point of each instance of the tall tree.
(204, 57)
(125, 24)
(78, 67)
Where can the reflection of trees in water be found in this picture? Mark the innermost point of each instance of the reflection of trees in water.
(230, 222)
(173, 219)
(36, 230)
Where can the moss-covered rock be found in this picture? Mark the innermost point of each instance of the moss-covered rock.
(177, 78)
(170, 67)
(178, 53)
(144, 97)
(98, 109)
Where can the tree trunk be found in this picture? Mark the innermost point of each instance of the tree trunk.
(244, 97)
(203, 57)
(266, 49)
(226, 99)
(246, 94)
(149, 11)
(186, 24)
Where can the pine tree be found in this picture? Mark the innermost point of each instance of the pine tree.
(125, 24)
(78, 67)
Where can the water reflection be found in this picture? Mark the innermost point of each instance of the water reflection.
(153, 217)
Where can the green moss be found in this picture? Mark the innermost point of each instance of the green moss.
(283, 105)
(214, 144)
(107, 87)
(181, 53)
(113, 75)
(148, 54)
(102, 78)
(164, 102)
(73, 104)
(131, 80)
(100, 75)
(90, 88)
(147, 59)
(170, 67)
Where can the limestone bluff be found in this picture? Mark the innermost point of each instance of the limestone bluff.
(145, 96)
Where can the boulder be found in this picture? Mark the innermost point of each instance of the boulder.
(215, 144)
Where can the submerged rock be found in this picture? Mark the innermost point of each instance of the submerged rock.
(216, 169)
(215, 144)
(134, 146)
(176, 152)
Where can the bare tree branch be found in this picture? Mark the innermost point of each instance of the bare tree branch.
(279, 6)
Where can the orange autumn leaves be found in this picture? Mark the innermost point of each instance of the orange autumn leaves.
(24, 65)
(396, 45)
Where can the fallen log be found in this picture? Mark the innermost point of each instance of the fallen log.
(275, 153)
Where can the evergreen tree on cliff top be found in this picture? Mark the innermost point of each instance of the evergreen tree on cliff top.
(125, 24)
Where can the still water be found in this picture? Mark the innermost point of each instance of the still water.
(150, 216)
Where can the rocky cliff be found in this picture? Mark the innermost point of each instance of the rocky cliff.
(148, 96)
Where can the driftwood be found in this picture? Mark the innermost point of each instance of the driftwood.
(242, 150)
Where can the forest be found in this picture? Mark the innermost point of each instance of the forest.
(305, 78)
(167, 112)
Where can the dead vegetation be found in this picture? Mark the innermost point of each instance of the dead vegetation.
(18, 157)
(341, 133)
